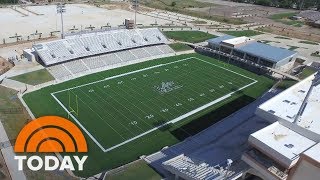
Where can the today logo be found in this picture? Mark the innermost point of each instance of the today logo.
(50, 134)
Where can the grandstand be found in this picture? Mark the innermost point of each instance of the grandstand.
(91, 44)
(191, 169)
(82, 54)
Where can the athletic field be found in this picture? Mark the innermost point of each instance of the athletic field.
(122, 108)
(138, 109)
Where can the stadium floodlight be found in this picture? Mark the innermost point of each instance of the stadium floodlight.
(135, 12)
(61, 8)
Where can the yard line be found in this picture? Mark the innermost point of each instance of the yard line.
(122, 106)
(99, 115)
(205, 83)
(109, 114)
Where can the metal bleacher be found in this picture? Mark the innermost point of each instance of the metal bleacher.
(91, 44)
(191, 169)
(86, 65)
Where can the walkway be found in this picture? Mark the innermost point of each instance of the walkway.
(8, 155)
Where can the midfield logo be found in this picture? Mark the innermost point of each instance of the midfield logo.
(50, 134)
(166, 87)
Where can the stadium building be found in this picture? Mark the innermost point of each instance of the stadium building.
(289, 148)
(248, 50)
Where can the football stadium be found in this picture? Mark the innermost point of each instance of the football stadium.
(147, 93)
(157, 90)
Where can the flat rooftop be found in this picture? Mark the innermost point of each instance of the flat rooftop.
(314, 152)
(285, 106)
(270, 53)
(238, 40)
(284, 141)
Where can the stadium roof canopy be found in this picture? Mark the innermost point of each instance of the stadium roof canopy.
(271, 53)
(91, 44)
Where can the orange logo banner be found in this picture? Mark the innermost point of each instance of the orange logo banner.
(50, 134)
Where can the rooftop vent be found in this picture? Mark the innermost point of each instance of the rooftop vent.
(145, 39)
(286, 101)
(53, 55)
(119, 43)
(271, 111)
(290, 146)
(71, 51)
(87, 48)
(302, 91)
(104, 46)
(159, 38)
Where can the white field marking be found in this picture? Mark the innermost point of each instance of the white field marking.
(125, 74)
(180, 117)
(153, 129)
(76, 120)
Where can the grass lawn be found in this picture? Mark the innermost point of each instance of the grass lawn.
(199, 22)
(35, 77)
(308, 42)
(291, 48)
(182, 7)
(282, 15)
(284, 18)
(180, 47)
(285, 84)
(306, 72)
(136, 170)
(189, 36)
(12, 113)
(143, 99)
(282, 37)
(247, 33)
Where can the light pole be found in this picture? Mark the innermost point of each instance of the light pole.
(61, 8)
(135, 13)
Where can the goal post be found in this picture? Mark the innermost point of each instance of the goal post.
(73, 104)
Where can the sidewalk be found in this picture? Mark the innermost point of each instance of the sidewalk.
(8, 155)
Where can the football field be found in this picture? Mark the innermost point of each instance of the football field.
(116, 110)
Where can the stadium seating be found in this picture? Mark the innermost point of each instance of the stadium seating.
(84, 45)
(125, 56)
(59, 72)
(140, 53)
(76, 66)
(153, 50)
(193, 169)
(166, 49)
(97, 63)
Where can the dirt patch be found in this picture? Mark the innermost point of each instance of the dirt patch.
(291, 33)
(124, 6)
(4, 65)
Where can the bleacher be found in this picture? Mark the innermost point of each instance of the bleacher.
(85, 45)
(87, 65)
(188, 168)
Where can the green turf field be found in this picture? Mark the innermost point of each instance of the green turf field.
(124, 108)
